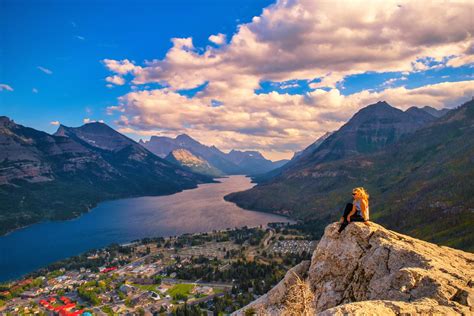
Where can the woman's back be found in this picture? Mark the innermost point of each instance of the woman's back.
(359, 205)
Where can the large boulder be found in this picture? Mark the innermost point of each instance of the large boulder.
(372, 270)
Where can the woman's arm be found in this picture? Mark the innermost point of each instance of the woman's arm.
(365, 215)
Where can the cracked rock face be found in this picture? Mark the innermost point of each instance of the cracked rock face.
(372, 270)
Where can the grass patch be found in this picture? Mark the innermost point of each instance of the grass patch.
(180, 290)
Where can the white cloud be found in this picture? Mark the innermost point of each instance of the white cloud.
(5, 87)
(82, 38)
(390, 82)
(121, 67)
(308, 39)
(88, 120)
(34, 90)
(275, 122)
(117, 80)
(45, 70)
(218, 39)
(55, 123)
(297, 39)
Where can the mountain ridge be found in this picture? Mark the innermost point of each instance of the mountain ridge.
(234, 162)
(45, 176)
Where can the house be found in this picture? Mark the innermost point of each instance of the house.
(139, 298)
(204, 290)
(29, 294)
(126, 289)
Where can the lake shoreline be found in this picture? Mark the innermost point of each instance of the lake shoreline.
(95, 205)
(190, 211)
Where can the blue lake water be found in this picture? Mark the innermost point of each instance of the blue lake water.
(120, 221)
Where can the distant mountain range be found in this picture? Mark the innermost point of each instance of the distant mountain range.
(234, 162)
(418, 166)
(59, 176)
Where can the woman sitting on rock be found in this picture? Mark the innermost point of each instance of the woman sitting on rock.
(358, 210)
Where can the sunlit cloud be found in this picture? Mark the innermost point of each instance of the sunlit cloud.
(218, 39)
(117, 80)
(289, 41)
(55, 123)
(121, 67)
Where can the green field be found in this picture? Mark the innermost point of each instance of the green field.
(181, 290)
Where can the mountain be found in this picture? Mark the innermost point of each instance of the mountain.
(187, 160)
(369, 130)
(59, 176)
(235, 162)
(261, 178)
(372, 271)
(252, 162)
(435, 112)
(421, 185)
(421, 115)
(311, 148)
(162, 146)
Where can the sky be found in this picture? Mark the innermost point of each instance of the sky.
(259, 75)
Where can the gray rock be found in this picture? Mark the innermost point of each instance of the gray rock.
(369, 270)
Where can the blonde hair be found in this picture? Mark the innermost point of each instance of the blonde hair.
(362, 193)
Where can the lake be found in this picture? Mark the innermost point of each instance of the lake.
(120, 221)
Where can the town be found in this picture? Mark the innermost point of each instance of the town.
(213, 273)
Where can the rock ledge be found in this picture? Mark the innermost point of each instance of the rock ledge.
(372, 270)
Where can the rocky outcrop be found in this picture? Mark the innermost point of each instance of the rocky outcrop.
(372, 270)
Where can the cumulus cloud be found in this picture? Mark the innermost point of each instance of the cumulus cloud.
(218, 39)
(117, 80)
(121, 67)
(5, 87)
(281, 123)
(55, 123)
(45, 70)
(297, 39)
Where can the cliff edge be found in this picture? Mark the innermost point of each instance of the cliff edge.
(372, 270)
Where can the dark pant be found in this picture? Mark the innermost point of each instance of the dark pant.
(354, 217)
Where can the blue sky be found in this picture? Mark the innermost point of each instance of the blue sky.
(280, 75)
(71, 38)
